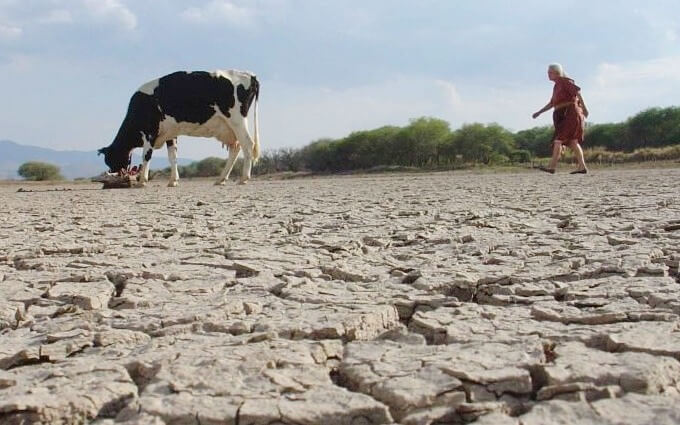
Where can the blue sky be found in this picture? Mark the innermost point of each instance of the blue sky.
(330, 67)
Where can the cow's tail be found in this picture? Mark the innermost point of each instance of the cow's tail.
(256, 144)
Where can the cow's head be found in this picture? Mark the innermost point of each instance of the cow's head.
(115, 159)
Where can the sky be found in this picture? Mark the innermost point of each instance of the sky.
(330, 67)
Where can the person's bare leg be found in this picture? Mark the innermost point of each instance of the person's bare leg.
(576, 148)
(557, 151)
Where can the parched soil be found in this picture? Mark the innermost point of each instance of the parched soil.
(439, 298)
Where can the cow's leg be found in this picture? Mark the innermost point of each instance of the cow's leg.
(147, 150)
(172, 157)
(240, 128)
(234, 149)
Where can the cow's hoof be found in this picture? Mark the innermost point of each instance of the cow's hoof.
(220, 183)
(172, 184)
(140, 185)
(242, 181)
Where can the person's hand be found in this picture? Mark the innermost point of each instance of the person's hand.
(536, 114)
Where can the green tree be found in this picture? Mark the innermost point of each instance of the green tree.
(423, 139)
(483, 143)
(536, 140)
(288, 159)
(377, 149)
(653, 127)
(347, 151)
(39, 171)
(318, 155)
(608, 136)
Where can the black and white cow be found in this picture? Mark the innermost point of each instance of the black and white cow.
(203, 104)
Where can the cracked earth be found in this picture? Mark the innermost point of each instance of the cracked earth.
(443, 298)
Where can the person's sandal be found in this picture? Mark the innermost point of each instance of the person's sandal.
(547, 170)
(584, 171)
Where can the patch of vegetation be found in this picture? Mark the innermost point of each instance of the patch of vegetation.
(39, 171)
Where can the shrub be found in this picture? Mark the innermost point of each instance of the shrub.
(39, 171)
(520, 155)
(210, 167)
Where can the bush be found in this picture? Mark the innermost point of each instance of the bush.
(210, 167)
(520, 155)
(39, 171)
(603, 156)
(207, 167)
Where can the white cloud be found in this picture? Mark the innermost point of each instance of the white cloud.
(451, 92)
(9, 32)
(220, 11)
(28, 15)
(6, 5)
(620, 90)
(56, 16)
(111, 9)
(638, 72)
(508, 105)
(322, 112)
(660, 23)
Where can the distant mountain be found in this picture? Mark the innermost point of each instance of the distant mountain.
(72, 163)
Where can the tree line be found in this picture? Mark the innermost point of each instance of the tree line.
(430, 143)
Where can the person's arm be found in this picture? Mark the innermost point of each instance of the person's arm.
(543, 109)
(583, 105)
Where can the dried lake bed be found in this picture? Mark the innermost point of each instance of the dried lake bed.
(439, 298)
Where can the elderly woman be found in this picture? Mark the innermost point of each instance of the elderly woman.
(569, 116)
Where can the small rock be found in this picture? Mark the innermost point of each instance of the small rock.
(252, 308)
(338, 273)
(244, 270)
(615, 240)
(120, 337)
(371, 241)
(263, 336)
(411, 277)
(86, 295)
(397, 273)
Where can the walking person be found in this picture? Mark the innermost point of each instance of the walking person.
(569, 116)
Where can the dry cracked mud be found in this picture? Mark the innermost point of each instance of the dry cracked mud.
(411, 299)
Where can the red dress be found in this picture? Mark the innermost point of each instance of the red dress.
(567, 116)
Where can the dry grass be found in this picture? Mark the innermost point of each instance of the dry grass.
(602, 156)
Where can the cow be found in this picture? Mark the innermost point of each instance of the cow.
(199, 103)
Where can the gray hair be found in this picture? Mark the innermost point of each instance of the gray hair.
(557, 68)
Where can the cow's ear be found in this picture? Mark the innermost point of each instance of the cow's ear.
(102, 151)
